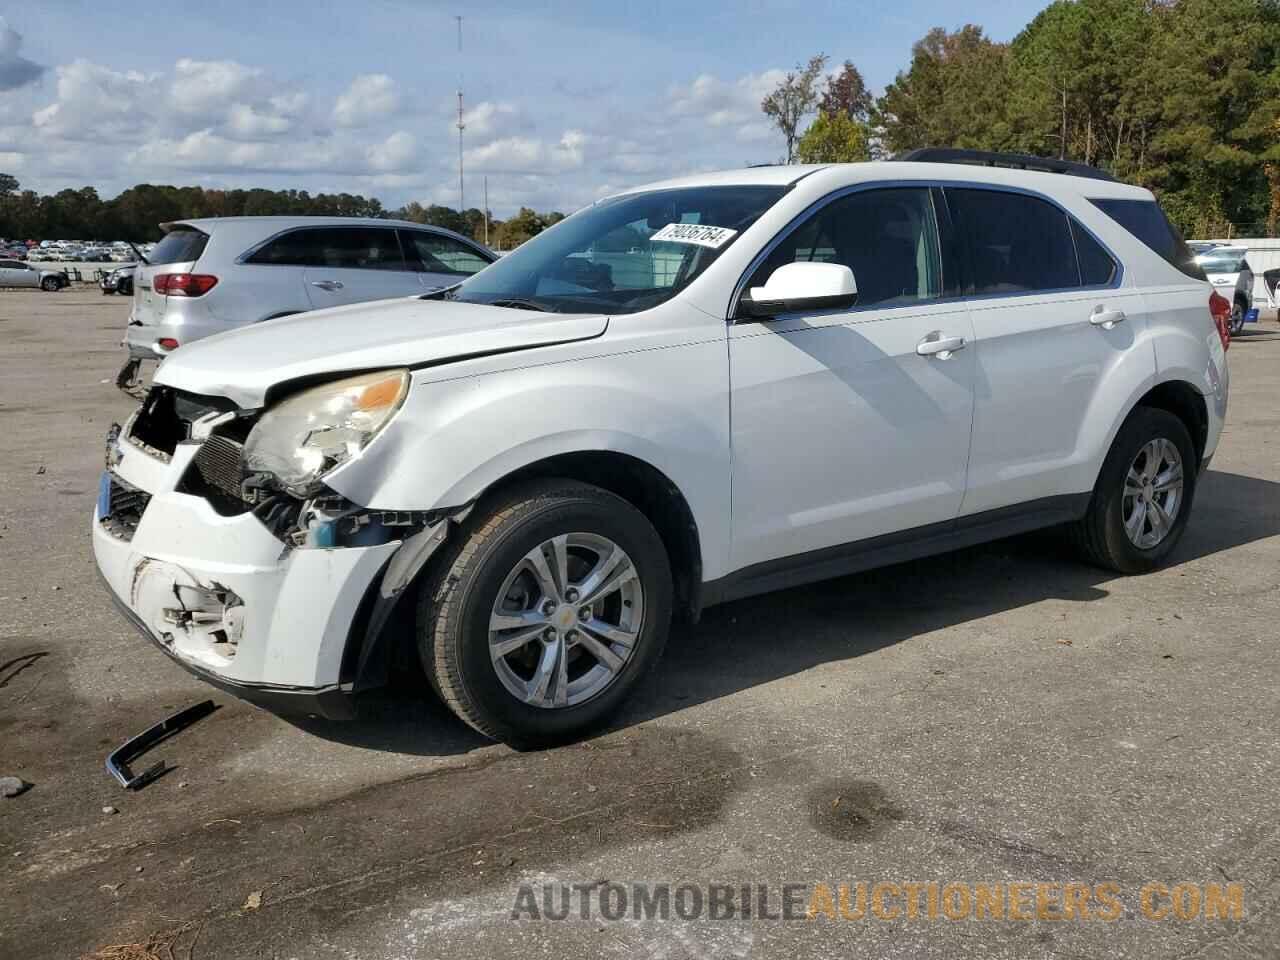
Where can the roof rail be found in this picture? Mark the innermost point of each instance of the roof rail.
(987, 158)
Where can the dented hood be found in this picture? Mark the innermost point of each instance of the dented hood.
(244, 364)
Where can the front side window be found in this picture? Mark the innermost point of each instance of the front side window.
(1016, 243)
(888, 238)
(436, 253)
(622, 255)
(349, 248)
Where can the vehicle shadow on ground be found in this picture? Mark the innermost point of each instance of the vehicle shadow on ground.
(761, 639)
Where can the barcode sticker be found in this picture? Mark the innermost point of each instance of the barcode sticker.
(697, 233)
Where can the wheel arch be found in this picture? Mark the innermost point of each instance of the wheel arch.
(1186, 403)
(647, 489)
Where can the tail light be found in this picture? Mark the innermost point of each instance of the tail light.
(183, 284)
(1220, 310)
(167, 343)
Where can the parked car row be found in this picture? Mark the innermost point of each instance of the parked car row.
(16, 273)
(684, 394)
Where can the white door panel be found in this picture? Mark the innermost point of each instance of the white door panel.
(1041, 361)
(842, 431)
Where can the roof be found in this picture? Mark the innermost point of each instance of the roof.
(279, 222)
(835, 175)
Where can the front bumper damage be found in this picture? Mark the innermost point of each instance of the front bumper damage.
(289, 620)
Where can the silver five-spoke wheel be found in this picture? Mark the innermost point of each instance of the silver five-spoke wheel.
(566, 620)
(1152, 493)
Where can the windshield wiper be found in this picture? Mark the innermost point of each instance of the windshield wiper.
(517, 304)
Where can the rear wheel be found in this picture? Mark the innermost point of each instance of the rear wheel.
(1237, 319)
(546, 613)
(50, 284)
(1143, 496)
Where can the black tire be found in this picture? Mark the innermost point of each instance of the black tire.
(1236, 325)
(50, 284)
(456, 601)
(1100, 535)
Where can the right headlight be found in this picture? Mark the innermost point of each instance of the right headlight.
(302, 438)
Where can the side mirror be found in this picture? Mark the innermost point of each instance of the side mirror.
(800, 287)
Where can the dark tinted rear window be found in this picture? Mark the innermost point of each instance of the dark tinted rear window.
(1097, 269)
(1016, 243)
(358, 248)
(179, 246)
(1146, 221)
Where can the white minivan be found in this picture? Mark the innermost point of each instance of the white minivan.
(687, 393)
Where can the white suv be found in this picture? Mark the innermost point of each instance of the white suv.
(681, 395)
(211, 275)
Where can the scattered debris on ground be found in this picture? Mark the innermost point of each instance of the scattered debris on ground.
(13, 786)
(176, 944)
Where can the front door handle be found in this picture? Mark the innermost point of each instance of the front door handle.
(1106, 319)
(937, 345)
(330, 285)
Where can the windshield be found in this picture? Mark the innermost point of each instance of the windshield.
(621, 255)
(1222, 261)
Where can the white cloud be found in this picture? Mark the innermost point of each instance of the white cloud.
(722, 103)
(15, 71)
(247, 123)
(200, 86)
(396, 154)
(370, 96)
(487, 118)
(96, 103)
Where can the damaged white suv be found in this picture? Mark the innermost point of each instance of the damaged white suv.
(681, 395)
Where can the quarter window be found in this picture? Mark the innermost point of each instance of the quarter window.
(1146, 221)
(351, 248)
(1097, 269)
(1016, 243)
(888, 238)
(436, 253)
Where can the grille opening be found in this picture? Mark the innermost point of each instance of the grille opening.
(124, 509)
(167, 414)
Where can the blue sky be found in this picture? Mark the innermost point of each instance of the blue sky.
(566, 101)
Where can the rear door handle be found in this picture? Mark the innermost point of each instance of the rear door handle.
(329, 285)
(1106, 319)
(937, 345)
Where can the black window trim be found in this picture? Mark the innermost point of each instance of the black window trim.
(739, 290)
(395, 226)
(731, 314)
(478, 249)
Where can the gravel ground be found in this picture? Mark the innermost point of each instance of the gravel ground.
(999, 715)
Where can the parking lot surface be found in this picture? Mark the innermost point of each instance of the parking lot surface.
(1005, 714)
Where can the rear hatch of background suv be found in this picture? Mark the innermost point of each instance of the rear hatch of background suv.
(176, 253)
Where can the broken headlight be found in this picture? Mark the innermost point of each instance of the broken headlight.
(302, 438)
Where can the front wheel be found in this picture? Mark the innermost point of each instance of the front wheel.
(546, 613)
(1143, 496)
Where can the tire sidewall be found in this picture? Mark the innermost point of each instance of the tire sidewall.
(1145, 425)
(481, 582)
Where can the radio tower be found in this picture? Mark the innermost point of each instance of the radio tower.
(462, 203)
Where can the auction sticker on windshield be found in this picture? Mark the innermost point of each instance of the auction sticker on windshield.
(696, 233)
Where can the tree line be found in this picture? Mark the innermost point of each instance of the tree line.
(1181, 96)
(136, 213)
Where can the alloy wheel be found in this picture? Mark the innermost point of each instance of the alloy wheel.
(1153, 489)
(566, 620)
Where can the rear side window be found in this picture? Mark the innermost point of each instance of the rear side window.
(180, 245)
(1097, 268)
(436, 253)
(349, 248)
(1146, 221)
(1016, 243)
